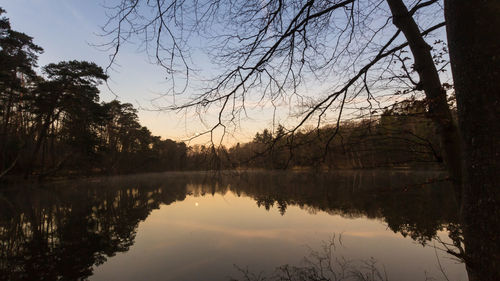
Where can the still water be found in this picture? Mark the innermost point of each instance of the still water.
(197, 226)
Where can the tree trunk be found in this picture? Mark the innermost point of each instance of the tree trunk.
(473, 30)
(4, 137)
(439, 111)
(44, 127)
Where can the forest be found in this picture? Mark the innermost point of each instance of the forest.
(52, 123)
(402, 136)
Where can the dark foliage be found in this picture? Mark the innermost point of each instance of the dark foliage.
(54, 123)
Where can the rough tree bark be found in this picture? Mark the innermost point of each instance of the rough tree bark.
(473, 30)
(439, 111)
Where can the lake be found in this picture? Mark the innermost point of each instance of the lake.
(231, 225)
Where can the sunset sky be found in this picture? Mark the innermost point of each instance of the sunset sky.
(71, 30)
(68, 29)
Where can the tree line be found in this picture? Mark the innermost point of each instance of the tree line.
(53, 122)
(401, 136)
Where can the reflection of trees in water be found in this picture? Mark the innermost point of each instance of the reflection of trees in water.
(400, 199)
(62, 231)
(52, 234)
(322, 265)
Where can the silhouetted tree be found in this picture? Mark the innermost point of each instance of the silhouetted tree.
(18, 58)
(69, 95)
(268, 49)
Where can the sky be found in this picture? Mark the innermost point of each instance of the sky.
(69, 29)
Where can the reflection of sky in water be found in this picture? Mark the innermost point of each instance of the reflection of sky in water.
(202, 237)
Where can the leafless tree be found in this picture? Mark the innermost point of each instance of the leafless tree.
(270, 51)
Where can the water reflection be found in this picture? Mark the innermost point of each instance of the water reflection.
(62, 231)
